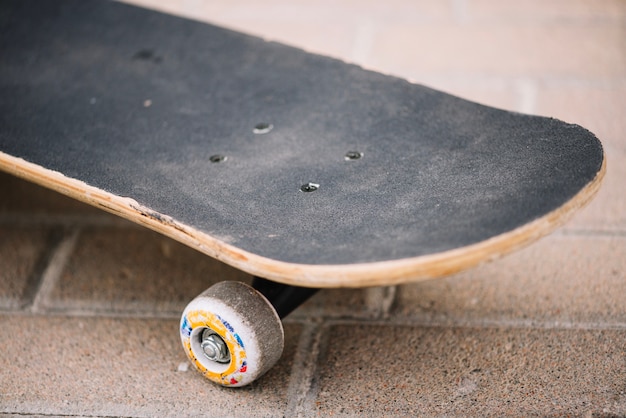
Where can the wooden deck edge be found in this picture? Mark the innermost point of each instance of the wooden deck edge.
(382, 273)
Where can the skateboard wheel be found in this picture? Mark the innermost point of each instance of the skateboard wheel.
(231, 334)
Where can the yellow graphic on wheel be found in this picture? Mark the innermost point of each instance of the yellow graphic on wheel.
(192, 325)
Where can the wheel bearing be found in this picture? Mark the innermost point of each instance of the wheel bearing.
(214, 347)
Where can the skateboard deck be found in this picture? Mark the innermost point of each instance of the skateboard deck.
(291, 166)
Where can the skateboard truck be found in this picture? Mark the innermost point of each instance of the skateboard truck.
(284, 298)
(215, 325)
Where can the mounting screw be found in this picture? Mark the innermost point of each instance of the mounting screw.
(217, 158)
(353, 155)
(309, 187)
(262, 128)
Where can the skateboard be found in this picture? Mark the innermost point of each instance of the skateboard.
(302, 170)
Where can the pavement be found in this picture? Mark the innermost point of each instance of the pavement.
(89, 304)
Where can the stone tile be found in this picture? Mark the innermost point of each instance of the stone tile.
(411, 371)
(21, 196)
(502, 48)
(336, 39)
(333, 302)
(342, 303)
(597, 107)
(398, 37)
(392, 11)
(134, 270)
(563, 278)
(341, 29)
(121, 367)
(556, 10)
(495, 92)
(321, 10)
(349, 13)
(23, 255)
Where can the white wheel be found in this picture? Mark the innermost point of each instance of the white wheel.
(231, 334)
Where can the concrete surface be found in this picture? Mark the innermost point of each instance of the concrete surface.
(89, 304)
